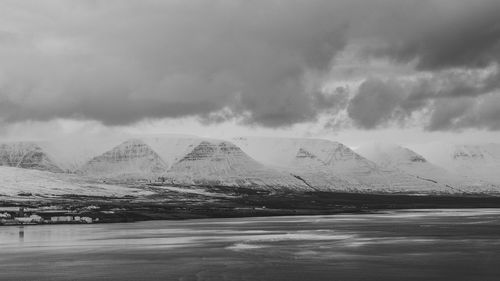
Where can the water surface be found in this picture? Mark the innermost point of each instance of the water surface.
(396, 245)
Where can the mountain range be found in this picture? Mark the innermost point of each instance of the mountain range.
(273, 164)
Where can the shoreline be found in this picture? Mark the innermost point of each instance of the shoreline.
(364, 212)
(74, 209)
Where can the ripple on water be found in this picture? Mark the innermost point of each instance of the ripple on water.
(244, 246)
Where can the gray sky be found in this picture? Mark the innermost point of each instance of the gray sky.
(345, 69)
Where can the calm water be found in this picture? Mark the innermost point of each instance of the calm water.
(401, 245)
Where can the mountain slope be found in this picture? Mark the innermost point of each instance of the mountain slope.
(313, 170)
(26, 155)
(222, 163)
(390, 156)
(133, 159)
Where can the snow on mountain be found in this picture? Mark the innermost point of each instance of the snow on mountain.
(394, 157)
(132, 159)
(334, 166)
(26, 155)
(299, 164)
(313, 170)
(17, 181)
(283, 151)
(223, 163)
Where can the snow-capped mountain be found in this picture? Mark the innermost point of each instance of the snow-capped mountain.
(480, 162)
(334, 166)
(71, 153)
(283, 151)
(313, 170)
(223, 163)
(394, 157)
(270, 163)
(131, 159)
(26, 155)
(35, 184)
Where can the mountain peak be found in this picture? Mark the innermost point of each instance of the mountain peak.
(26, 155)
(132, 158)
(225, 164)
(213, 151)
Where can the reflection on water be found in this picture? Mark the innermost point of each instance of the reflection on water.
(399, 245)
(21, 233)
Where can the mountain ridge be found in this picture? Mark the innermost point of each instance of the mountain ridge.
(295, 164)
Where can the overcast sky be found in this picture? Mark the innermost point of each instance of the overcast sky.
(406, 71)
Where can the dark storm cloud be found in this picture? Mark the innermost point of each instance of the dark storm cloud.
(119, 62)
(375, 103)
(448, 113)
(457, 85)
(453, 42)
(451, 100)
(445, 34)
(333, 101)
(466, 112)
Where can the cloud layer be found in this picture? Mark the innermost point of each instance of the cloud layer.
(262, 62)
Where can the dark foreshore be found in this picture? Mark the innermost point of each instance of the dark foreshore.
(223, 202)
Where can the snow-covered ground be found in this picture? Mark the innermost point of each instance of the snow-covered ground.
(14, 181)
(193, 190)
